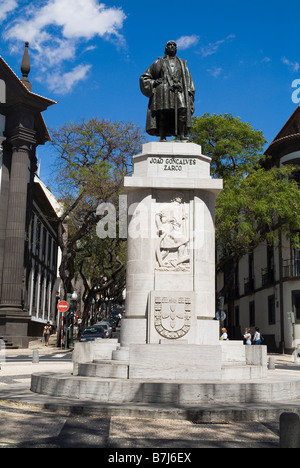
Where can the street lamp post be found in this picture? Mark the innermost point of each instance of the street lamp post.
(74, 298)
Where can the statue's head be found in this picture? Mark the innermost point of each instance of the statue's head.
(171, 48)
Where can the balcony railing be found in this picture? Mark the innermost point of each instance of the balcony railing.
(291, 268)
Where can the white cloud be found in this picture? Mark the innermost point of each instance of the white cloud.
(213, 47)
(48, 56)
(293, 65)
(77, 19)
(64, 83)
(56, 28)
(184, 42)
(266, 60)
(215, 71)
(6, 7)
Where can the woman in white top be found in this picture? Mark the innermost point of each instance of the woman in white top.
(224, 335)
(247, 336)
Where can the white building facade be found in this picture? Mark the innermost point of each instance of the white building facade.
(266, 292)
(45, 257)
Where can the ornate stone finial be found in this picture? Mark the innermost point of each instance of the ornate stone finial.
(25, 67)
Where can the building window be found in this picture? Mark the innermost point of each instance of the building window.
(44, 245)
(236, 282)
(296, 262)
(249, 282)
(53, 266)
(49, 251)
(252, 314)
(34, 292)
(296, 304)
(38, 239)
(271, 310)
(237, 316)
(268, 274)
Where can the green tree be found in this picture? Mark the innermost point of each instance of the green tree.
(92, 158)
(255, 204)
(233, 145)
(101, 265)
(254, 209)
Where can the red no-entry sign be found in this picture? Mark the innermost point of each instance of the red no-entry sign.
(62, 306)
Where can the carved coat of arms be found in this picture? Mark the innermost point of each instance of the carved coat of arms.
(172, 316)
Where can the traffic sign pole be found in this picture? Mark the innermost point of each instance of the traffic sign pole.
(62, 330)
(62, 307)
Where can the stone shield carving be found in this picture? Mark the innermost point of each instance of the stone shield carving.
(172, 316)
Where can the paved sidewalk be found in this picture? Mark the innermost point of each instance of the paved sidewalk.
(28, 427)
(55, 422)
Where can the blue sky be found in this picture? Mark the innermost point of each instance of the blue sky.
(88, 56)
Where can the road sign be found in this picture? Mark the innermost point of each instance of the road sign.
(62, 306)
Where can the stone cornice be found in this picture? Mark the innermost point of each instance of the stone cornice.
(20, 136)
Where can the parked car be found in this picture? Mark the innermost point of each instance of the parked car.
(91, 333)
(113, 323)
(116, 315)
(107, 327)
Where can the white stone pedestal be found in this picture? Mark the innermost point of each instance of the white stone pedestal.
(175, 361)
(169, 348)
(170, 289)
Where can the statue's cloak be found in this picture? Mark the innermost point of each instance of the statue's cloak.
(162, 97)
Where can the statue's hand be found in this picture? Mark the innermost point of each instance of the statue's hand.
(177, 88)
(157, 82)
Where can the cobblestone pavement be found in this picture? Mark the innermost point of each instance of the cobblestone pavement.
(25, 424)
(28, 427)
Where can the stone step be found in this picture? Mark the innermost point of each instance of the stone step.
(241, 371)
(104, 348)
(121, 354)
(8, 344)
(104, 368)
(120, 369)
(165, 392)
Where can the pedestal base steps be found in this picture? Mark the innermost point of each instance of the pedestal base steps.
(173, 394)
(105, 372)
(170, 361)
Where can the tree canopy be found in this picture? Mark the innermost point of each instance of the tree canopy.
(255, 203)
(233, 145)
(254, 209)
(92, 158)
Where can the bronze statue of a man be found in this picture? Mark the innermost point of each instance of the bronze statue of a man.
(170, 88)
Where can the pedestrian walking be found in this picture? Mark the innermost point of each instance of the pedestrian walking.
(47, 333)
(247, 336)
(257, 337)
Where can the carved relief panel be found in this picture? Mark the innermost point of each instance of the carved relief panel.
(172, 218)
